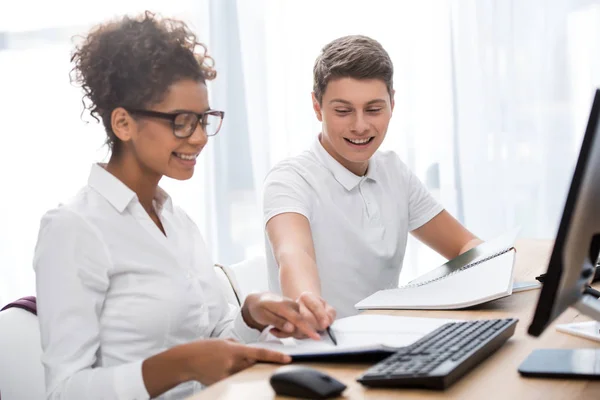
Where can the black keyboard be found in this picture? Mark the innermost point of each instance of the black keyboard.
(439, 359)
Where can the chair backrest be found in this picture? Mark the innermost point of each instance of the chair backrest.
(248, 276)
(226, 286)
(27, 303)
(21, 370)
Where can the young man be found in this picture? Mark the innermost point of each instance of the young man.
(338, 216)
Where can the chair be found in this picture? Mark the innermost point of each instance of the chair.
(247, 276)
(21, 369)
(226, 285)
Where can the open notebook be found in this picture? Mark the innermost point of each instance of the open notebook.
(358, 334)
(479, 275)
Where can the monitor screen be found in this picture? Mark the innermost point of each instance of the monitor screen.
(571, 267)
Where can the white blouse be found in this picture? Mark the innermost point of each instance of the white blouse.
(113, 290)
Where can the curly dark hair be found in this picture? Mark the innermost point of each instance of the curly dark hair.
(354, 56)
(132, 62)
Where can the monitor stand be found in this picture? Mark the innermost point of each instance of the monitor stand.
(592, 292)
(568, 363)
(589, 305)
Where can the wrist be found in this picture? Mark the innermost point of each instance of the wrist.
(166, 370)
(247, 315)
(181, 362)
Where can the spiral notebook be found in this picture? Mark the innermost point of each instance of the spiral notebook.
(477, 276)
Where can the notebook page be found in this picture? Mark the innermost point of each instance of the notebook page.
(357, 334)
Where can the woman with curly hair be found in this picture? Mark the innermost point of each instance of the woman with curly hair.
(128, 300)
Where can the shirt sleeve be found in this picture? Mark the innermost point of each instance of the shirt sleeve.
(284, 191)
(229, 323)
(422, 206)
(72, 266)
(232, 325)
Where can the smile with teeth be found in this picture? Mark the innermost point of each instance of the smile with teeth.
(186, 156)
(360, 141)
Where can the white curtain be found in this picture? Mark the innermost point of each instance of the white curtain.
(492, 97)
(519, 114)
(47, 149)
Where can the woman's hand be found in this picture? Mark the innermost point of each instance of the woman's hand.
(206, 361)
(211, 360)
(263, 309)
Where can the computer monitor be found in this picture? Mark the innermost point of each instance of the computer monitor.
(574, 256)
(572, 265)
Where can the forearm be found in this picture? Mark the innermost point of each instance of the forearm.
(165, 370)
(298, 273)
(444, 234)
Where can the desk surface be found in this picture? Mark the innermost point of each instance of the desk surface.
(495, 378)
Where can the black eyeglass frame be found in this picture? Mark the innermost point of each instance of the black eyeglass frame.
(201, 117)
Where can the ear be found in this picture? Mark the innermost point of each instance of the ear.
(393, 95)
(122, 124)
(317, 107)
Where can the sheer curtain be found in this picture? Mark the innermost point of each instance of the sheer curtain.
(47, 149)
(492, 98)
(519, 115)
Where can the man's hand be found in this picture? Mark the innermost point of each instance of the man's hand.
(315, 311)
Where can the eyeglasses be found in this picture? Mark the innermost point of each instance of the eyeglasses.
(184, 123)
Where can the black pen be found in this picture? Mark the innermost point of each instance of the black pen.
(330, 333)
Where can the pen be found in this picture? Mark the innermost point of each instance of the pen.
(330, 333)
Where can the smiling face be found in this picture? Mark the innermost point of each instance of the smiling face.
(355, 114)
(150, 141)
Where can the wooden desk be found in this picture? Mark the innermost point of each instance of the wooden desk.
(495, 378)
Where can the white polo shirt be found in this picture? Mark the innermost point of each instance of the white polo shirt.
(359, 224)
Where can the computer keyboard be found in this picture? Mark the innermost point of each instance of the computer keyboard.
(439, 359)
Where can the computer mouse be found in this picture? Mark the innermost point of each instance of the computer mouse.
(304, 382)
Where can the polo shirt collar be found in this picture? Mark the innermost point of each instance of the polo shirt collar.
(341, 174)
